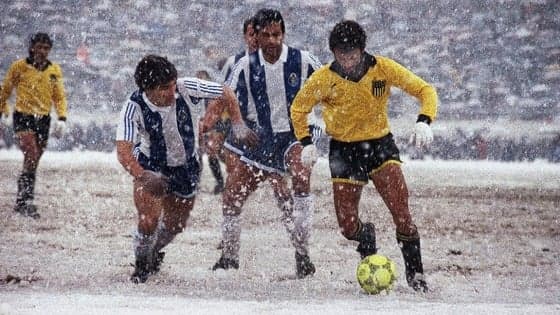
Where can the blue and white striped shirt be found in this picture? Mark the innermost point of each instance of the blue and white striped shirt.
(230, 62)
(265, 95)
(132, 128)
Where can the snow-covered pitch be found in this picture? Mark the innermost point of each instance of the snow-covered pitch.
(490, 235)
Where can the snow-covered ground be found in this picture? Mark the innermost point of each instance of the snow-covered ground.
(490, 233)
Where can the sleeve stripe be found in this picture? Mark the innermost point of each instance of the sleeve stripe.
(316, 64)
(129, 122)
(212, 88)
(234, 67)
(201, 87)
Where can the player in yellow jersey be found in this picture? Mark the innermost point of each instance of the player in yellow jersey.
(38, 84)
(354, 91)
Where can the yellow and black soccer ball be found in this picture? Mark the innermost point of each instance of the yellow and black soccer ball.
(376, 273)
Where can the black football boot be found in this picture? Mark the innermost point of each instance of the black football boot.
(366, 237)
(142, 269)
(304, 266)
(158, 260)
(25, 194)
(410, 247)
(226, 263)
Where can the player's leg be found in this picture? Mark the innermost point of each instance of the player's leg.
(346, 202)
(240, 183)
(176, 211)
(348, 172)
(32, 135)
(176, 203)
(296, 224)
(301, 184)
(302, 210)
(390, 183)
(213, 144)
(215, 168)
(149, 208)
(27, 142)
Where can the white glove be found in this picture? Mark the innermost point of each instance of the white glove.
(59, 128)
(309, 155)
(245, 134)
(6, 120)
(422, 135)
(316, 132)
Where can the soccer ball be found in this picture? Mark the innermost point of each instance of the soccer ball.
(376, 273)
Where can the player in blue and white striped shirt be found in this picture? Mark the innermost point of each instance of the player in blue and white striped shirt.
(265, 83)
(249, 36)
(156, 145)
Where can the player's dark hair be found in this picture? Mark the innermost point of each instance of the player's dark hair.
(39, 38)
(203, 74)
(265, 17)
(153, 71)
(347, 35)
(247, 22)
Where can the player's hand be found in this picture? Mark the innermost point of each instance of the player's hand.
(316, 132)
(422, 135)
(309, 155)
(153, 182)
(245, 134)
(6, 120)
(59, 128)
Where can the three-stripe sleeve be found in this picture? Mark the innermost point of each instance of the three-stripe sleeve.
(127, 129)
(199, 88)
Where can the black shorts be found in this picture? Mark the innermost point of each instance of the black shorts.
(38, 124)
(354, 162)
(183, 180)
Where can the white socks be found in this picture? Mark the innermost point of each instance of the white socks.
(298, 224)
(231, 236)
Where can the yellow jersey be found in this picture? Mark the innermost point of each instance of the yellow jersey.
(357, 111)
(36, 91)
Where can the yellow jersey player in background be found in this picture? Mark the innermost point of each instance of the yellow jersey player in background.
(39, 85)
(354, 91)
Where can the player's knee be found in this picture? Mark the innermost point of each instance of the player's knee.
(301, 184)
(147, 223)
(233, 198)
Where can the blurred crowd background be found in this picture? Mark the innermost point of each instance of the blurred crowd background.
(490, 60)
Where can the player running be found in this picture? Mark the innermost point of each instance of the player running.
(156, 145)
(251, 45)
(39, 85)
(354, 90)
(265, 82)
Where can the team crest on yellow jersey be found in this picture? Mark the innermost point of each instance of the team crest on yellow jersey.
(378, 87)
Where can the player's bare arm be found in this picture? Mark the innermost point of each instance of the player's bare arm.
(127, 160)
(228, 101)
